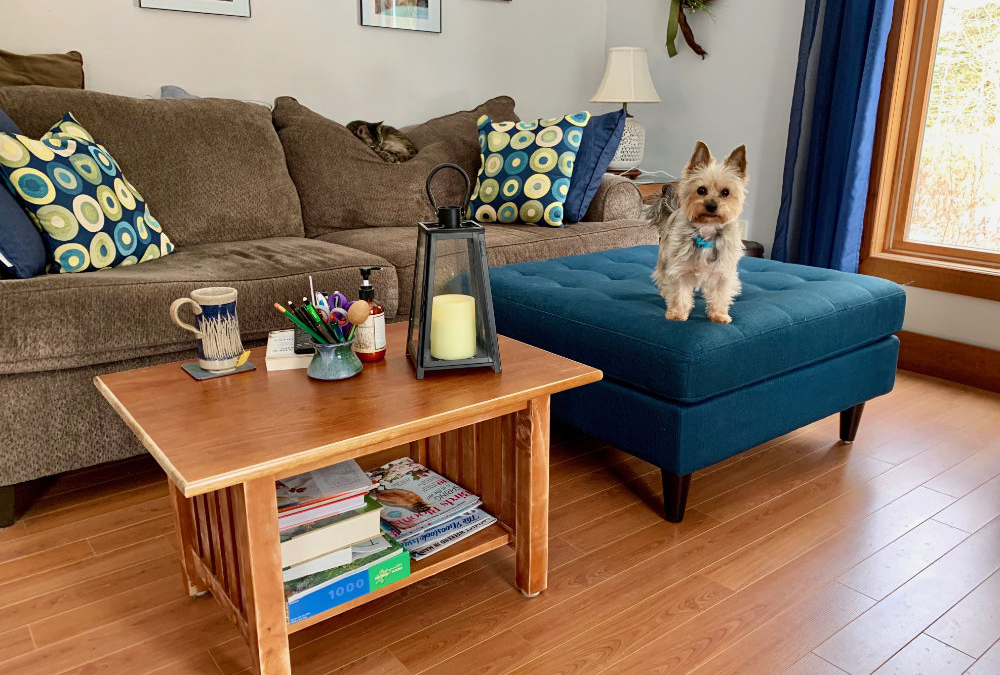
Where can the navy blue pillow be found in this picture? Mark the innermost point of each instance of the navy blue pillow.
(22, 253)
(600, 142)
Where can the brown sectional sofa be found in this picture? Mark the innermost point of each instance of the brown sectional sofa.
(249, 206)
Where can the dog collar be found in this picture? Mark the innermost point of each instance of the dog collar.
(703, 243)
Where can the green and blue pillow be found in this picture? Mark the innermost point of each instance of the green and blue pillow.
(526, 169)
(90, 216)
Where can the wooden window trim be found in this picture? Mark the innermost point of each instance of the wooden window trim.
(906, 85)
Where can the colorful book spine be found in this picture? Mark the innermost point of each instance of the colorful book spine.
(350, 586)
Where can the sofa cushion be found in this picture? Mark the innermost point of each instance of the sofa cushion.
(22, 253)
(505, 244)
(89, 215)
(213, 169)
(50, 70)
(343, 184)
(122, 313)
(604, 310)
(526, 169)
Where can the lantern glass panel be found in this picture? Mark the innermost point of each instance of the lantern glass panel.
(456, 323)
(417, 299)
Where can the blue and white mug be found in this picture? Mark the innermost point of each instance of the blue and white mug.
(215, 327)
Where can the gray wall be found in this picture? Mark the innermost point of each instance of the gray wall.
(547, 54)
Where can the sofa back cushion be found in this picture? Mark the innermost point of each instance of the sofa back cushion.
(211, 169)
(50, 70)
(343, 184)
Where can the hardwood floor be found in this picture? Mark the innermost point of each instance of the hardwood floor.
(803, 556)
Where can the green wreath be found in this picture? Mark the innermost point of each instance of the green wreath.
(679, 20)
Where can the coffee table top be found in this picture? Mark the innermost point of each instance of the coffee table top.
(216, 433)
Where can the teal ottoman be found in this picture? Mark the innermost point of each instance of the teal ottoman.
(804, 343)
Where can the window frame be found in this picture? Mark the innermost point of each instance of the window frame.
(906, 85)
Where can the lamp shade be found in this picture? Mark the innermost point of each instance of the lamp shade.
(626, 78)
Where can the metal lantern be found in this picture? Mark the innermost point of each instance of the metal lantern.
(451, 313)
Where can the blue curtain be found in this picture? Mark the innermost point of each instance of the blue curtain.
(831, 132)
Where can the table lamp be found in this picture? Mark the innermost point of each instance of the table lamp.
(626, 80)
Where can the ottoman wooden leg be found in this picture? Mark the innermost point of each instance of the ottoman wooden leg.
(675, 495)
(850, 420)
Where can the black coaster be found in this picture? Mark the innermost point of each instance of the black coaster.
(199, 373)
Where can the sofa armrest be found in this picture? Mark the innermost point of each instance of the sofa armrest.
(617, 199)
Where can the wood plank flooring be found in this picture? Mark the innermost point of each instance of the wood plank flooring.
(803, 556)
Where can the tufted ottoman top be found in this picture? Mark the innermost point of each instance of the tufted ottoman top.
(603, 309)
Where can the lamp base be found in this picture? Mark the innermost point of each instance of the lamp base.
(630, 150)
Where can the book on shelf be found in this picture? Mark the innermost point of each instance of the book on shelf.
(374, 563)
(442, 535)
(336, 558)
(414, 498)
(319, 537)
(313, 512)
(281, 353)
(329, 484)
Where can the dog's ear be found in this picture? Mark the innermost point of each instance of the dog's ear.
(702, 157)
(737, 159)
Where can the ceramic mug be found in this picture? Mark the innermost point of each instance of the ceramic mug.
(215, 327)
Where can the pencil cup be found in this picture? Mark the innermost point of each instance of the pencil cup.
(334, 362)
(215, 327)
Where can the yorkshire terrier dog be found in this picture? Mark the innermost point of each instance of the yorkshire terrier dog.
(700, 244)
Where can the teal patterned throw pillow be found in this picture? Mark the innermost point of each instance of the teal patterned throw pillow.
(526, 169)
(90, 216)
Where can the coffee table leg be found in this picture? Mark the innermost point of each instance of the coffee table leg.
(255, 520)
(531, 528)
(187, 536)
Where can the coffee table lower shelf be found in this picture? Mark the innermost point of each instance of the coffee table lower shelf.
(492, 537)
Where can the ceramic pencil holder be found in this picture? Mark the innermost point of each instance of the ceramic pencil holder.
(334, 362)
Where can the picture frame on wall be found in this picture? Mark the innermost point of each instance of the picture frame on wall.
(418, 15)
(223, 7)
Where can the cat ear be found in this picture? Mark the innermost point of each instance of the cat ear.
(737, 159)
(364, 133)
(702, 157)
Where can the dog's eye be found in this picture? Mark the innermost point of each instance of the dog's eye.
(725, 192)
(703, 191)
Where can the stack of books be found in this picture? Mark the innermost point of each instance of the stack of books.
(424, 511)
(332, 547)
(284, 353)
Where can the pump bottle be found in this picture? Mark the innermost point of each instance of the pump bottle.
(369, 337)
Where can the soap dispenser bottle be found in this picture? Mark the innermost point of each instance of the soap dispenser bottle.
(369, 337)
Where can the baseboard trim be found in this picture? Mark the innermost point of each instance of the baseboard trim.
(956, 361)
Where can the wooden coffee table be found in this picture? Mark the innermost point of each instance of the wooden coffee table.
(224, 442)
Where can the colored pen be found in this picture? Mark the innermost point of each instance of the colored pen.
(317, 322)
(301, 325)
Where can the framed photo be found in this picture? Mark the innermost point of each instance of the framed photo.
(225, 7)
(422, 15)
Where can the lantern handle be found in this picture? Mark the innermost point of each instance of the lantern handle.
(465, 177)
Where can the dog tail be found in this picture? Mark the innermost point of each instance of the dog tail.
(660, 211)
(663, 206)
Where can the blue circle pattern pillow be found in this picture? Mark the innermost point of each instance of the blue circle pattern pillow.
(526, 169)
(90, 216)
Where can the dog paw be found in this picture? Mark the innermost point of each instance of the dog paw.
(720, 317)
(677, 316)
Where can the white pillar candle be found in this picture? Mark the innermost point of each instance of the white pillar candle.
(453, 327)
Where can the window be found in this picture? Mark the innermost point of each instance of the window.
(934, 205)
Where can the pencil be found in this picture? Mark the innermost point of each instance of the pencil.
(295, 320)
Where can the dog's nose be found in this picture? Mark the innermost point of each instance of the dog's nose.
(711, 207)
